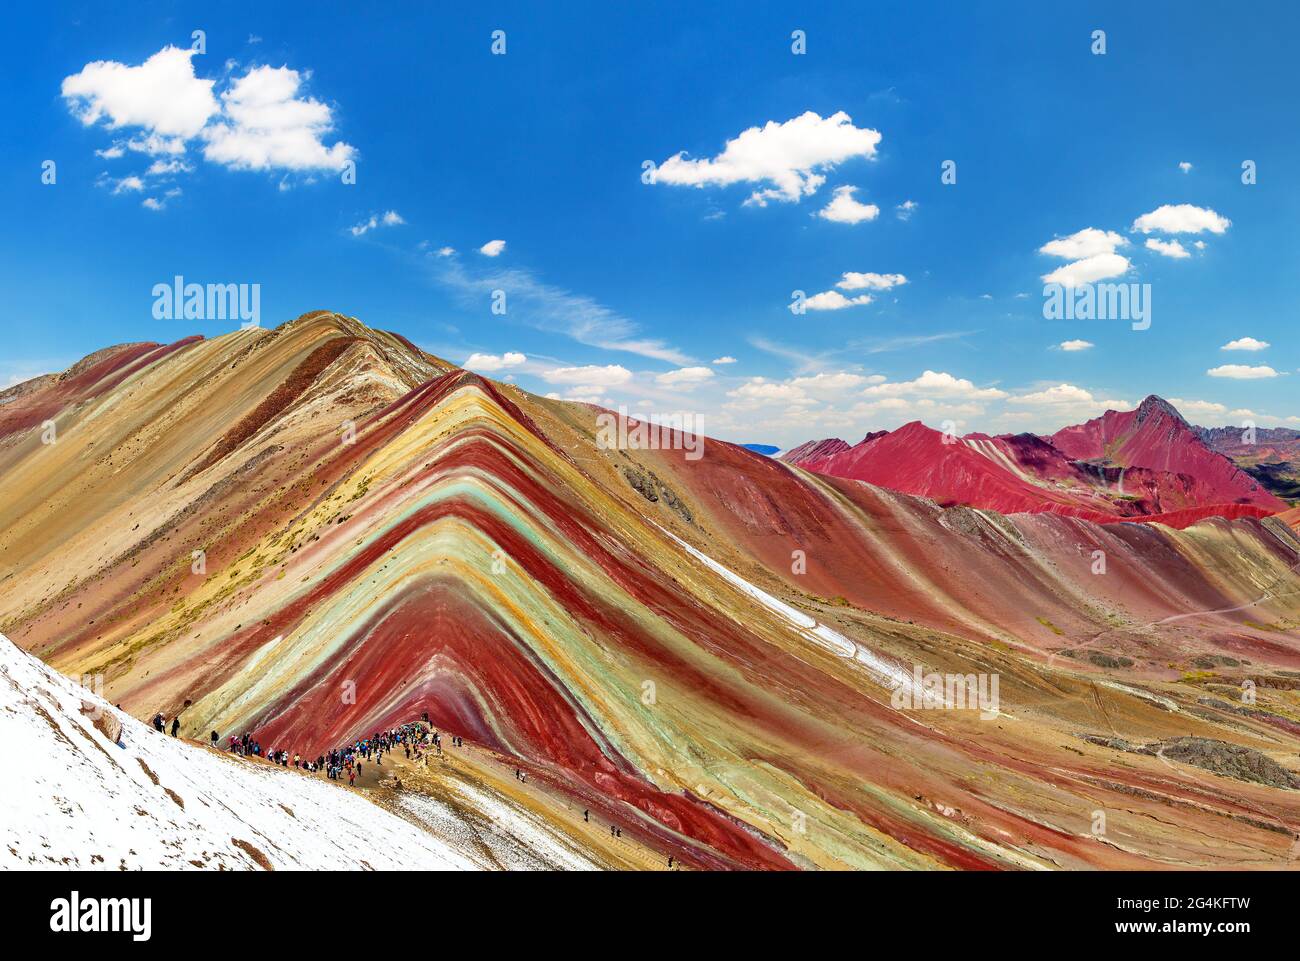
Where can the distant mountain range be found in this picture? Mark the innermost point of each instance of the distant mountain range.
(1146, 464)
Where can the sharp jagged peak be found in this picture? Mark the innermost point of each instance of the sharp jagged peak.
(1155, 406)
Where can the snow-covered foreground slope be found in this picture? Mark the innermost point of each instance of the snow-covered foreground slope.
(72, 798)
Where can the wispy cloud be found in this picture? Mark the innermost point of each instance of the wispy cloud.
(553, 309)
(907, 341)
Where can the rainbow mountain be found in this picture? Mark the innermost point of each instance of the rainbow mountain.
(317, 531)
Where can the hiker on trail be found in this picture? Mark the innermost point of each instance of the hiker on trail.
(670, 862)
(215, 738)
(352, 778)
(176, 724)
(586, 816)
(158, 722)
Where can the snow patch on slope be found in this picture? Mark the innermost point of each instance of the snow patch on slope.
(78, 800)
(886, 673)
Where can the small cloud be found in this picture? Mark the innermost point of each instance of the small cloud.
(1093, 256)
(843, 209)
(490, 363)
(390, 218)
(1089, 269)
(1242, 372)
(131, 183)
(905, 210)
(1167, 248)
(725, 359)
(935, 384)
(1185, 167)
(1088, 242)
(1197, 408)
(834, 300)
(254, 38)
(266, 124)
(1075, 345)
(161, 95)
(492, 248)
(1181, 219)
(1062, 398)
(684, 378)
(152, 203)
(870, 281)
(163, 168)
(1246, 343)
(790, 156)
(592, 376)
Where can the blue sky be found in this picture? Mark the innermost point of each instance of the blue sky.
(624, 292)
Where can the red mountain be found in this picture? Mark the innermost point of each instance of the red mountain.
(1156, 436)
(1146, 464)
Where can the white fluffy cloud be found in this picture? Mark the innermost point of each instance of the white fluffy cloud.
(1085, 243)
(126, 184)
(1092, 252)
(491, 363)
(165, 168)
(834, 300)
(265, 124)
(725, 359)
(259, 122)
(1181, 219)
(833, 384)
(935, 384)
(790, 156)
(905, 210)
(1068, 400)
(161, 95)
(1246, 343)
(843, 209)
(1185, 167)
(1197, 408)
(1088, 270)
(592, 375)
(1167, 248)
(492, 248)
(870, 281)
(684, 378)
(759, 392)
(389, 218)
(1242, 372)
(1076, 345)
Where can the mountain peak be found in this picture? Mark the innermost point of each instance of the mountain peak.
(1154, 406)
